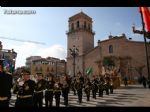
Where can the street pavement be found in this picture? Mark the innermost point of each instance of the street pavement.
(131, 96)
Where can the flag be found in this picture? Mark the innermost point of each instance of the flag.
(89, 71)
(146, 16)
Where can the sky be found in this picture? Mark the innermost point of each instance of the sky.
(49, 25)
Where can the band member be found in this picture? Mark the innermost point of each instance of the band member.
(125, 81)
(57, 92)
(5, 87)
(65, 91)
(81, 78)
(144, 81)
(87, 89)
(100, 86)
(73, 82)
(68, 79)
(111, 86)
(49, 93)
(24, 90)
(79, 87)
(39, 88)
(107, 84)
(94, 87)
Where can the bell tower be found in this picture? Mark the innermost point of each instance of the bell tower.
(80, 36)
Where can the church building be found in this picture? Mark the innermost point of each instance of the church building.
(116, 55)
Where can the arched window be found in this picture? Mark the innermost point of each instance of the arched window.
(78, 24)
(110, 49)
(72, 26)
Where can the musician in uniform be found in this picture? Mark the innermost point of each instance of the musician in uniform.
(94, 87)
(100, 86)
(111, 86)
(68, 79)
(49, 93)
(57, 91)
(24, 91)
(107, 84)
(79, 87)
(73, 82)
(5, 86)
(39, 88)
(65, 91)
(87, 89)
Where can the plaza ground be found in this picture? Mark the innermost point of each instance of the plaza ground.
(131, 96)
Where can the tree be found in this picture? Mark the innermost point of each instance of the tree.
(108, 61)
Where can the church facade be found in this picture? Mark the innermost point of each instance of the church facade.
(115, 55)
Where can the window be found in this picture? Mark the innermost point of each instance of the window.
(78, 24)
(72, 26)
(110, 49)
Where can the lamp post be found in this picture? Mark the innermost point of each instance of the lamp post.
(74, 52)
(145, 34)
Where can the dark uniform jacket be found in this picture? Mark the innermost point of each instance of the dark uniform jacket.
(40, 85)
(65, 88)
(50, 85)
(57, 90)
(5, 84)
(94, 85)
(87, 87)
(79, 86)
(26, 89)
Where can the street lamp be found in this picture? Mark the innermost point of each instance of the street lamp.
(74, 52)
(145, 34)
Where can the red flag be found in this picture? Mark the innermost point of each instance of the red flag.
(146, 16)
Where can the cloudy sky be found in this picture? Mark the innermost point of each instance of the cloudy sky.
(49, 25)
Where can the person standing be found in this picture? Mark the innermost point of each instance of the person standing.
(125, 81)
(5, 87)
(39, 88)
(111, 87)
(49, 93)
(87, 89)
(94, 87)
(107, 84)
(144, 81)
(65, 92)
(73, 82)
(57, 92)
(79, 87)
(148, 82)
(101, 86)
(24, 90)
